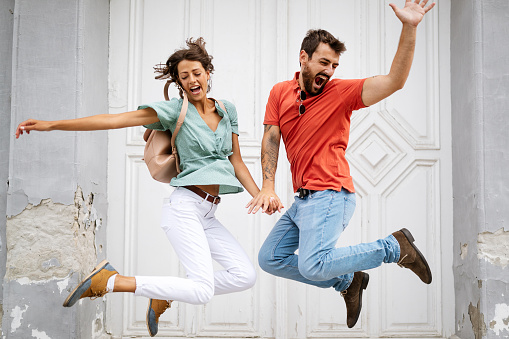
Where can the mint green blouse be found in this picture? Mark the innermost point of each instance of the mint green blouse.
(203, 153)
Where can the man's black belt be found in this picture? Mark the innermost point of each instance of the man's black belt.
(303, 192)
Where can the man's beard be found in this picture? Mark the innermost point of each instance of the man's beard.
(308, 80)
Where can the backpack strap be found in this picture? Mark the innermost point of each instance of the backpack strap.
(180, 121)
(220, 105)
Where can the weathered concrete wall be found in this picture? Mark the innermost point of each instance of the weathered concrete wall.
(56, 201)
(6, 29)
(480, 87)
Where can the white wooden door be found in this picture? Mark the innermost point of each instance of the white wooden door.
(399, 153)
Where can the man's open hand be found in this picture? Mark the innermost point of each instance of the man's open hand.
(413, 12)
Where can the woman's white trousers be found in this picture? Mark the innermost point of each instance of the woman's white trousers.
(198, 237)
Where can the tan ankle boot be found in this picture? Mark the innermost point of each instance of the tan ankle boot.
(155, 308)
(94, 285)
(410, 257)
(353, 297)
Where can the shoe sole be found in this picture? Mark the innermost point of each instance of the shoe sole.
(100, 266)
(364, 285)
(411, 240)
(146, 319)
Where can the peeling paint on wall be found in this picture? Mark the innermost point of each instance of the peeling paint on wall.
(62, 285)
(500, 322)
(477, 320)
(85, 226)
(460, 323)
(463, 251)
(494, 247)
(97, 324)
(40, 334)
(17, 316)
(52, 240)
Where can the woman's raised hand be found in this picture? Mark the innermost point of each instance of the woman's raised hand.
(32, 125)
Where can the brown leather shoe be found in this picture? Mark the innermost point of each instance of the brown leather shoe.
(410, 257)
(353, 297)
(155, 308)
(94, 285)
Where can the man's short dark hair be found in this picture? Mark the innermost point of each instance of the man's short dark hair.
(315, 36)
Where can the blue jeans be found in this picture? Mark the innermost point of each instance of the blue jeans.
(313, 225)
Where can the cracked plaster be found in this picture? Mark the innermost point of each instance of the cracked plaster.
(500, 323)
(494, 247)
(51, 240)
(477, 321)
(464, 251)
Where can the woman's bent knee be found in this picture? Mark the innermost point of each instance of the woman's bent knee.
(250, 278)
(244, 279)
(203, 295)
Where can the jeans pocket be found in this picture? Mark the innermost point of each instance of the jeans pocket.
(166, 215)
(177, 208)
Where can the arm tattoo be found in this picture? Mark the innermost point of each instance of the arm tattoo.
(270, 152)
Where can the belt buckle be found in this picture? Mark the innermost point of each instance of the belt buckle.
(218, 199)
(303, 192)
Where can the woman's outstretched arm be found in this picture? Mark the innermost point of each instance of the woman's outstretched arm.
(93, 123)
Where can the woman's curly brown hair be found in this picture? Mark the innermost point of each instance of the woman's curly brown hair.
(195, 51)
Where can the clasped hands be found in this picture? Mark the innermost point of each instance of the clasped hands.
(266, 200)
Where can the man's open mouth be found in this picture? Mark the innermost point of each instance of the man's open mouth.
(321, 79)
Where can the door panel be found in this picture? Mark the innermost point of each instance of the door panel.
(399, 154)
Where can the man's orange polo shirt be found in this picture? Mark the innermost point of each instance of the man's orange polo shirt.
(316, 141)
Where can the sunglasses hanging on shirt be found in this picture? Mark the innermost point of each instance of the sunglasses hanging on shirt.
(302, 108)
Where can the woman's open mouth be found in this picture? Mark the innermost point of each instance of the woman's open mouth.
(195, 89)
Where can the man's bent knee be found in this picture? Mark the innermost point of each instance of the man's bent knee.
(266, 262)
(313, 271)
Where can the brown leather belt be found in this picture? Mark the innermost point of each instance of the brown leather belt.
(209, 197)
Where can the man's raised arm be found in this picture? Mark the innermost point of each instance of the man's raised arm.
(380, 87)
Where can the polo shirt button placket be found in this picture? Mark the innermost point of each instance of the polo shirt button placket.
(218, 145)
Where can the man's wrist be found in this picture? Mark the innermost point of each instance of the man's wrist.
(268, 185)
(407, 25)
